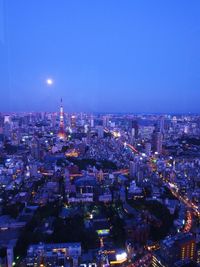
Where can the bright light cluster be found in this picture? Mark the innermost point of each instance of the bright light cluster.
(121, 257)
(49, 81)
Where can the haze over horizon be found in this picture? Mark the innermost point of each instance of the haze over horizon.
(111, 56)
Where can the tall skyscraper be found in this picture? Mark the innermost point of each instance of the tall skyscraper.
(135, 129)
(105, 121)
(157, 142)
(73, 121)
(92, 121)
(100, 131)
(61, 133)
(132, 169)
(10, 256)
(161, 124)
(53, 120)
(36, 148)
(148, 149)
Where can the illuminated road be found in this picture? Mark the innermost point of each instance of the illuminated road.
(174, 190)
(188, 203)
(117, 135)
(123, 171)
(132, 148)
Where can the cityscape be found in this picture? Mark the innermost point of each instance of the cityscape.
(99, 189)
(99, 133)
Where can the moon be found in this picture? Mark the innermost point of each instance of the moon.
(49, 81)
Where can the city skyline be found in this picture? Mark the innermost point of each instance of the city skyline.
(100, 185)
(99, 133)
(102, 57)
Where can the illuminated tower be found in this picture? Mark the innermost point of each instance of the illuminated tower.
(61, 133)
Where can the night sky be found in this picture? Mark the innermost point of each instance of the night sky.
(103, 55)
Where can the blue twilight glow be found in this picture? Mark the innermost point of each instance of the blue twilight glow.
(126, 56)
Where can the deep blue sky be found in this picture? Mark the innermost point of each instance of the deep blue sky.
(104, 55)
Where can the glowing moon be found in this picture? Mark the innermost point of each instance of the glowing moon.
(49, 81)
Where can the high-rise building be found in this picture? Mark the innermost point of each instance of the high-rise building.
(157, 142)
(105, 121)
(135, 129)
(61, 133)
(53, 120)
(10, 256)
(132, 169)
(35, 148)
(91, 122)
(148, 149)
(180, 247)
(73, 121)
(198, 254)
(161, 124)
(100, 131)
